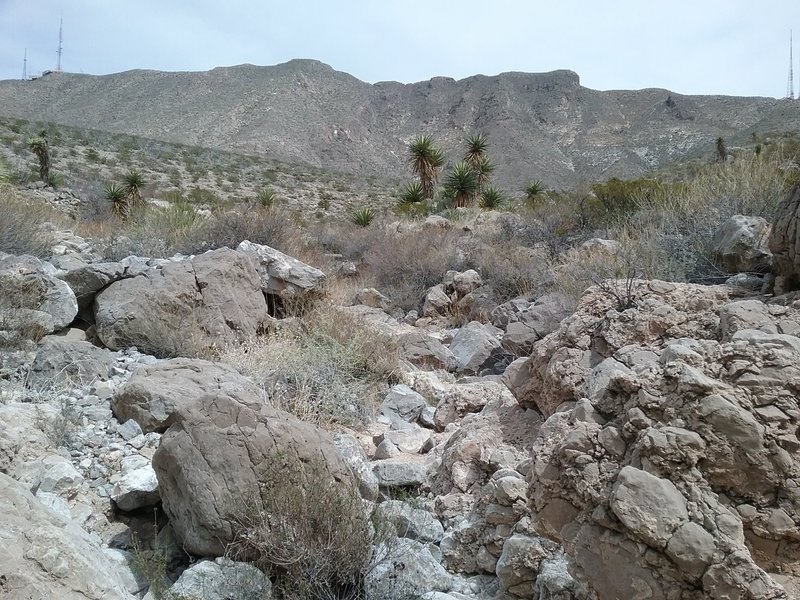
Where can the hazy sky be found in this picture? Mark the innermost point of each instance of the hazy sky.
(737, 47)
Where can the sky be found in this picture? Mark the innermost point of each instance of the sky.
(733, 47)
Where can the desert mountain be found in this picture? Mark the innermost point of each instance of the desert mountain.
(541, 125)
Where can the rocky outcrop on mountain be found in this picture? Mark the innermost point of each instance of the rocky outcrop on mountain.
(666, 464)
(784, 242)
(304, 111)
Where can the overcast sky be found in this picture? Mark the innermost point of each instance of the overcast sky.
(737, 47)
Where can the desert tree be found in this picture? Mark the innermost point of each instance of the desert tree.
(461, 184)
(40, 148)
(426, 161)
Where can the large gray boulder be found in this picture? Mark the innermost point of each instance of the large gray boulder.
(60, 361)
(740, 245)
(33, 302)
(215, 297)
(44, 556)
(220, 579)
(526, 327)
(215, 457)
(410, 570)
(281, 274)
(476, 346)
(86, 279)
(156, 394)
(784, 243)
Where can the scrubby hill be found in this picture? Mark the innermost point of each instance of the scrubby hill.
(542, 126)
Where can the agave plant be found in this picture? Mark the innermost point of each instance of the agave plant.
(134, 182)
(461, 184)
(491, 198)
(266, 197)
(118, 196)
(363, 216)
(426, 161)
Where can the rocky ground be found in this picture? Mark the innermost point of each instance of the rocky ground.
(641, 446)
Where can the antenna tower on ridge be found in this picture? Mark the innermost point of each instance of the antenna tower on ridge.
(61, 45)
(790, 85)
(25, 66)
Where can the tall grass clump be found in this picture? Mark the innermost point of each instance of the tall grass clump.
(22, 225)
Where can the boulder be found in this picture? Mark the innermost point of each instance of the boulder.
(402, 405)
(740, 245)
(215, 456)
(437, 303)
(156, 394)
(409, 522)
(396, 473)
(212, 298)
(784, 243)
(44, 556)
(220, 579)
(138, 485)
(86, 279)
(425, 351)
(61, 362)
(518, 565)
(476, 347)
(34, 302)
(409, 570)
(280, 274)
(527, 326)
(374, 299)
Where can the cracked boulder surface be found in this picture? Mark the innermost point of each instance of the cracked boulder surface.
(213, 459)
(667, 466)
(214, 297)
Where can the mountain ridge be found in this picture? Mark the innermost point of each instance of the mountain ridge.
(542, 126)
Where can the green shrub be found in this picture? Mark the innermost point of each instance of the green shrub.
(21, 225)
(266, 197)
(491, 199)
(363, 217)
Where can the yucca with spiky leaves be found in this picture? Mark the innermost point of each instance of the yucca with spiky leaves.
(39, 147)
(363, 217)
(133, 182)
(533, 192)
(476, 146)
(266, 197)
(411, 197)
(483, 172)
(491, 198)
(426, 161)
(118, 196)
(461, 184)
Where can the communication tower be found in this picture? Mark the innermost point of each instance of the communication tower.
(60, 43)
(25, 66)
(790, 85)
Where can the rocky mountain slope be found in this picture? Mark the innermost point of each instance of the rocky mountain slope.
(542, 126)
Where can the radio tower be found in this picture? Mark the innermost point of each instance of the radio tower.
(25, 66)
(61, 45)
(790, 85)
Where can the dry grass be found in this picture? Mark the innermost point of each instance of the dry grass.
(21, 225)
(329, 369)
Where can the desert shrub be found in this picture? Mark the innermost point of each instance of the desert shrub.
(266, 197)
(405, 265)
(511, 271)
(314, 536)
(260, 226)
(199, 195)
(619, 197)
(22, 225)
(330, 370)
(363, 217)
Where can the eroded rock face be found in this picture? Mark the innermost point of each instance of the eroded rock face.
(43, 556)
(667, 465)
(784, 242)
(280, 273)
(214, 457)
(213, 297)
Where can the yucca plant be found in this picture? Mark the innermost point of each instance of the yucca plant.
(491, 198)
(483, 172)
(411, 197)
(363, 216)
(427, 162)
(118, 196)
(477, 145)
(533, 192)
(133, 182)
(461, 184)
(266, 197)
(38, 146)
